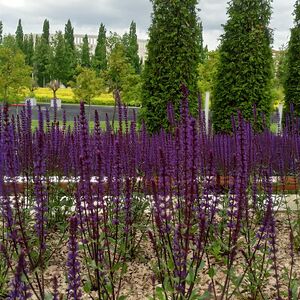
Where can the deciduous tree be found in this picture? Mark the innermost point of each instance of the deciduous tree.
(86, 85)
(14, 73)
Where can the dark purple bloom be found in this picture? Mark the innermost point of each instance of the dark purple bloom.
(19, 289)
(74, 280)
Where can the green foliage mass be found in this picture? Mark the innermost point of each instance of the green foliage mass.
(118, 68)
(70, 52)
(280, 66)
(208, 71)
(115, 61)
(173, 59)
(46, 31)
(292, 82)
(86, 85)
(99, 61)
(14, 73)
(85, 53)
(59, 65)
(132, 90)
(280, 69)
(245, 70)
(20, 35)
(29, 49)
(131, 48)
(42, 56)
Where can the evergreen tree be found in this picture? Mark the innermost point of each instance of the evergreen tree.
(70, 51)
(85, 52)
(58, 62)
(292, 82)
(46, 31)
(173, 58)
(1, 32)
(41, 61)
(203, 50)
(29, 49)
(100, 59)
(69, 35)
(20, 36)
(131, 48)
(244, 75)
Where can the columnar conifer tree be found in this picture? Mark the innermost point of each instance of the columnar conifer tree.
(85, 52)
(59, 64)
(29, 49)
(20, 35)
(100, 57)
(203, 50)
(173, 58)
(292, 83)
(69, 35)
(42, 56)
(132, 47)
(245, 70)
(46, 31)
(70, 50)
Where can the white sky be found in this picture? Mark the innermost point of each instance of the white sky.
(86, 16)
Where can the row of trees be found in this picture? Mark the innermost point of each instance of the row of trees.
(240, 73)
(115, 63)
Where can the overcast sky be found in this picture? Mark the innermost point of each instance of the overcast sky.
(86, 15)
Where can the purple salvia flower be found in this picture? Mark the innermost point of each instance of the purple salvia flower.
(128, 204)
(19, 289)
(41, 200)
(64, 121)
(74, 280)
(171, 114)
(270, 230)
(179, 260)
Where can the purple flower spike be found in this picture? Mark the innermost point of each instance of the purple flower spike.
(73, 264)
(19, 289)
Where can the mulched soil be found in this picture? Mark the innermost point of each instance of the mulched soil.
(138, 280)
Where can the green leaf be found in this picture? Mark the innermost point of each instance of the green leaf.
(211, 272)
(48, 296)
(160, 293)
(205, 296)
(87, 287)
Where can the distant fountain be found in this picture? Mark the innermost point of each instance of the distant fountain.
(280, 112)
(206, 111)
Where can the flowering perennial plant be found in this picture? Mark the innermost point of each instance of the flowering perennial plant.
(205, 204)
